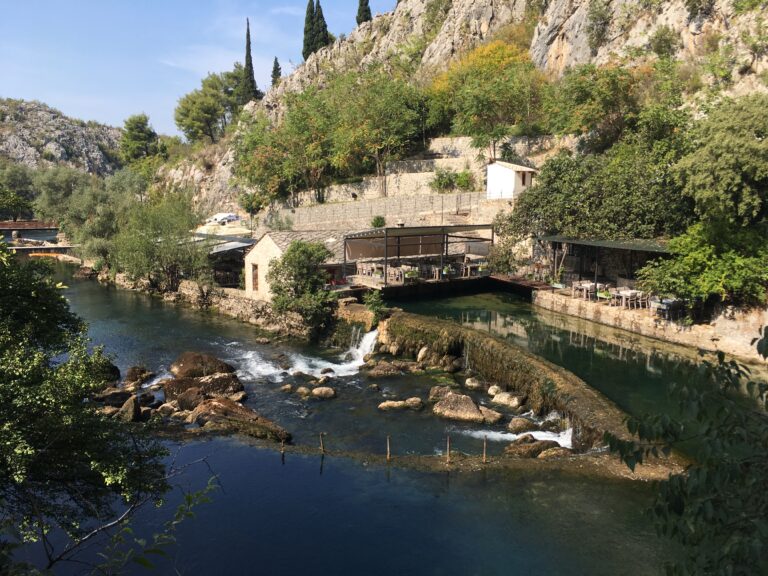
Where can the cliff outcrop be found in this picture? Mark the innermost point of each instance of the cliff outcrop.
(39, 136)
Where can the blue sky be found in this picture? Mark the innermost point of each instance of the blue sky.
(104, 60)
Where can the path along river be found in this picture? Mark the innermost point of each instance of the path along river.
(344, 516)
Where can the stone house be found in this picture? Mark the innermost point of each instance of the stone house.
(507, 181)
(273, 244)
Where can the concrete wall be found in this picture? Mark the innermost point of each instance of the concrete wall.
(731, 332)
(260, 256)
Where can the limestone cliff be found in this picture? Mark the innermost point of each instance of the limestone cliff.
(37, 135)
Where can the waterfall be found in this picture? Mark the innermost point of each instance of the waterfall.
(355, 335)
(349, 362)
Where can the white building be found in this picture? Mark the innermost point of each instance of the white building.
(507, 181)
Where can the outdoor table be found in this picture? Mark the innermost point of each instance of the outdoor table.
(625, 295)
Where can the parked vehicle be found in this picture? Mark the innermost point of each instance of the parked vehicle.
(223, 218)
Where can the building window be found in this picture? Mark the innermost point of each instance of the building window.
(523, 178)
(255, 277)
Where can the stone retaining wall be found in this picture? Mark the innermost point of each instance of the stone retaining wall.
(732, 332)
(548, 387)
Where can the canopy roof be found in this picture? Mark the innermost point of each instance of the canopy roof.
(636, 245)
(400, 241)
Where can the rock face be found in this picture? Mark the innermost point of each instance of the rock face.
(195, 365)
(224, 415)
(39, 136)
(213, 385)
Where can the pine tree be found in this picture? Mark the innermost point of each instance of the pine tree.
(321, 29)
(252, 91)
(309, 30)
(277, 72)
(363, 12)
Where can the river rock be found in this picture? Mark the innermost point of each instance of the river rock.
(112, 397)
(521, 425)
(129, 411)
(324, 392)
(303, 376)
(508, 400)
(196, 364)
(222, 384)
(287, 388)
(181, 415)
(145, 414)
(555, 425)
(490, 416)
(327, 371)
(322, 381)
(422, 355)
(437, 393)
(283, 361)
(394, 349)
(473, 384)
(109, 411)
(238, 397)
(458, 407)
(137, 375)
(390, 405)
(493, 390)
(190, 399)
(558, 452)
(528, 447)
(303, 391)
(146, 399)
(374, 388)
(414, 403)
(223, 415)
(168, 408)
(384, 369)
(262, 340)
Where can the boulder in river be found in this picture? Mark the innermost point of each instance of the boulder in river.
(473, 384)
(414, 403)
(130, 411)
(190, 399)
(303, 391)
(422, 355)
(238, 397)
(491, 416)
(458, 407)
(112, 397)
(286, 388)
(437, 393)
(522, 425)
(137, 375)
(493, 390)
(222, 384)
(168, 408)
(558, 452)
(224, 415)
(528, 447)
(324, 392)
(508, 400)
(196, 364)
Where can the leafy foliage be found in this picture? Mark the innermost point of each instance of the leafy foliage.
(155, 243)
(139, 140)
(363, 12)
(63, 464)
(717, 508)
(598, 21)
(378, 222)
(297, 282)
(277, 72)
(375, 303)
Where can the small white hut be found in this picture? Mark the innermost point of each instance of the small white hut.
(507, 181)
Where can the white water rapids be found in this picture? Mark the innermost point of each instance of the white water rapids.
(252, 363)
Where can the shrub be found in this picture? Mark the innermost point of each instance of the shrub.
(378, 222)
(443, 181)
(375, 303)
(664, 42)
(464, 180)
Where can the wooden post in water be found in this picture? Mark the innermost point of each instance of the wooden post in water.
(448, 449)
(485, 448)
(322, 447)
(389, 454)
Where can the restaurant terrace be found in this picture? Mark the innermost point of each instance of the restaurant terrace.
(401, 255)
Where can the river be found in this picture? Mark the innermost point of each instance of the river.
(339, 515)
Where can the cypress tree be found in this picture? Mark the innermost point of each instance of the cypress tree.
(277, 72)
(251, 90)
(363, 12)
(309, 30)
(321, 29)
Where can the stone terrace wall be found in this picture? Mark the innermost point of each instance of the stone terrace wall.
(731, 332)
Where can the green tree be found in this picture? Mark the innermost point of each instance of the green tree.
(598, 103)
(18, 190)
(65, 468)
(139, 140)
(12, 204)
(297, 281)
(363, 12)
(320, 29)
(726, 172)
(199, 115)
(252, 203)
(277, 72)
(309, 30)
(156, 243)
(249, 79)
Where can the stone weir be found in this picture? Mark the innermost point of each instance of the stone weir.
(547, 386)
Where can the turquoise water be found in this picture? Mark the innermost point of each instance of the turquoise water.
(343, 516)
